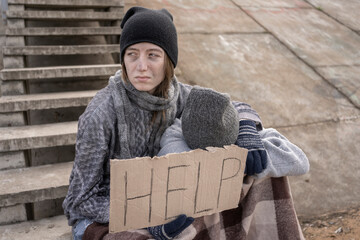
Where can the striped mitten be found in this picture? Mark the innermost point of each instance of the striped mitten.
(249, 138)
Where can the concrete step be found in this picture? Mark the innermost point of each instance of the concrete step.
(34, 184)
(59, 72)
(65, 15)
(27, 102)
(61, 50)
(37, 136)
(63, 31)
(54, 228)
(69, 3)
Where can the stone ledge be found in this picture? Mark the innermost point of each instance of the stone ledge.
(59, 72)
(34, 184)
(61, 50)
(64, 15)
(45, 101)
(37, 136)
(44, 229)
(69, 3)
(63, 31)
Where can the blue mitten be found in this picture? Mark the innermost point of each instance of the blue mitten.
(249, 138)
(171, 229)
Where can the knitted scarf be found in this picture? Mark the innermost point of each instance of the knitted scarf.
(126, 96)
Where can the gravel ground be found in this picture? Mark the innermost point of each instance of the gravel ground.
(344, 225)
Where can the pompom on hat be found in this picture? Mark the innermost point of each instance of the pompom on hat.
(209, 119)
(153, 26)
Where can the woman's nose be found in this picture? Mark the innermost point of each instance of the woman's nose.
(142, 64)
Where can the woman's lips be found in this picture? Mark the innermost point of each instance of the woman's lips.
(142, 78)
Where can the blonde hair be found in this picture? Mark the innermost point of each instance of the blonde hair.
(163, 88)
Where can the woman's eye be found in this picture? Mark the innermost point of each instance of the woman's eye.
(153, 55)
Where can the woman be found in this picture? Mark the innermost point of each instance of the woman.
(127, 118)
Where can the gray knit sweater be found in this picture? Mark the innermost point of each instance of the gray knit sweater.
(284, 158)
(116, 124)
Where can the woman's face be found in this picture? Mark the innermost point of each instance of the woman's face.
(144, 64)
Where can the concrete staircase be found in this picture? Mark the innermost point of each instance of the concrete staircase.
(57, 55)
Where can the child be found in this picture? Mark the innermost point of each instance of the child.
(209, 119)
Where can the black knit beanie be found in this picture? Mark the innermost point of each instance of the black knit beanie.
(146, 25)
(209, 119)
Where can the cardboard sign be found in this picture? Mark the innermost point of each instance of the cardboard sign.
(152, 191)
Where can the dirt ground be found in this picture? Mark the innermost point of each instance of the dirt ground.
(344, 225)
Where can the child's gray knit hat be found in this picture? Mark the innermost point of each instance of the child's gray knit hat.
(209, 119)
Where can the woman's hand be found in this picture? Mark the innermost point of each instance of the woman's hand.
(171, 229)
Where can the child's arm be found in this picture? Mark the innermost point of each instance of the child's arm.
(172, 141)
(284, 158)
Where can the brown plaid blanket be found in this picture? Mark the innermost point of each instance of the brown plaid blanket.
(265, 211)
